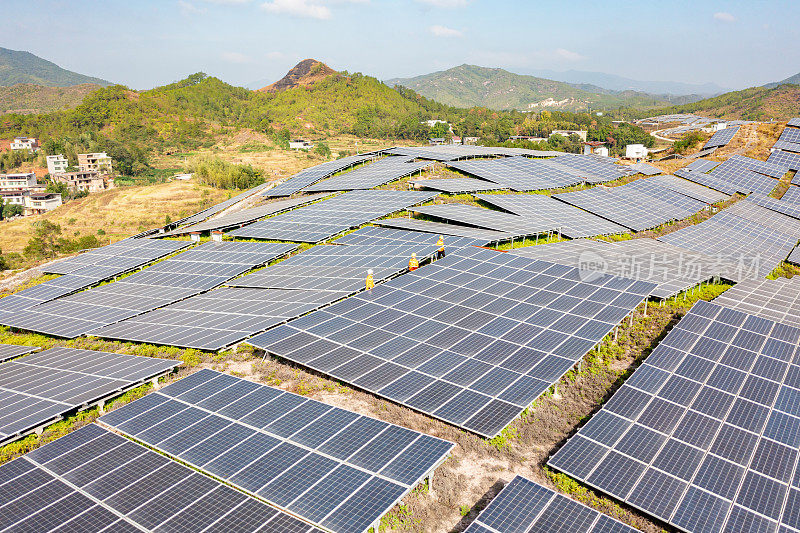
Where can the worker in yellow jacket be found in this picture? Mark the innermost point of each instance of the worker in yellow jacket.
(413, 264)
(370, 279)
(440, 250)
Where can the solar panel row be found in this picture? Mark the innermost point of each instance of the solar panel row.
(738, 174)
(705, 434)
(10, 351)
(371, 235)
(222, 206)
(787, 146)
(526, 506)
(327, 465)
(490, 219)
(309, 176)
(521, 173)
(721, 137)
(453, 152)
(93, 480)
(325, 219)
(40, 388)
(794, 123)
(777, 300)
(471, 339)
(690, 189)
(383, 171)
(412, 224)
(595, 169)
(789, 160)
(457, 185)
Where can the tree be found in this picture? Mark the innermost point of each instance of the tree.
(44, 242)
(322, 149)
(11, 210)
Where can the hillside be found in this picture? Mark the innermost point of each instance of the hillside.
(470, 85)
(791, 80)
(614, 82)
(24, 67)
(755, 103)
(304, 74)
(30, 98)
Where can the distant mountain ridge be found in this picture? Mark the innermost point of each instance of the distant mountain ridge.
(614, 82)
(24, 67)
(756, 103)
(793, 80)
(471, 85)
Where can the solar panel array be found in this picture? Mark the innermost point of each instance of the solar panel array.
(192, 272)
(702, 165)
(337, 268)
(639, 205)
(309, 176)
(754, 248)
(246, 216)
(779, 206)
(777, 299)
(412, 224)
(737, 174)
(526, 506)
(595, 169)
(785, 159)
(488, 218)
(721, 137)
(374, 236)
(521, 173)
(327, 465)
(373, 175)
(792, 195)
(794, 122)
(93, 480)
(704, 435)
(222, 206)
(322, 220)
(219, 318)
(453, 152)
(10, 351)
(646, 169)
(671, 268)
(573, 222)
(690, 189)
(787, 146)
(471, 339)
(769, 217)
(40, 388)
(89, 269)
(791, 135)
(457, 185)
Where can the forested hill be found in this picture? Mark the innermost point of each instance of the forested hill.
(470, 85)
(757, 103)
(24, 67)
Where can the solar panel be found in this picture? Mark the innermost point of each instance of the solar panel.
(374, 236)
(795, 123)
(457, 185)
(246, 216)
(311, 175)
(779, 206)
(787, 146)
(777, 300)
(690, 189)
(521, 173)
(338, 268)
(471, 339)
(704, 435)
(785, 159)
(524, 505)
(222, 206)
(323, 220)
(488, 218)
(40, 388)
(754, 248)
(373, 175)
(721, 137)
(646, 169)
(218, 319)
(794, 257)
(94, 480)
(791, 135)
(595, 169)
(192, 272)
(702, 165)
(671, 268)
(792, 195)
(766, 216)
(639, 205)
(413, 224)
(738, 174)
(327, 465)
(89, 269)
(453, 152)
(573, 222)
(10, 351)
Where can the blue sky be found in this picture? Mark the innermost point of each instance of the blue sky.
(144, 43)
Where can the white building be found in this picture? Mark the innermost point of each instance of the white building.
(566, 133)
(56, 164)
(24, 143)
(635, 152)
(21, 182)
(300, 144)
(37, 203)
(432, 123)
(595, 148)
(98, 162)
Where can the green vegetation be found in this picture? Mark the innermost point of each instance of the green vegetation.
(24, 67)
(11, 159)
(223, 175)
(755, 103)
(46, 241)
(30, 98)
(688, 142)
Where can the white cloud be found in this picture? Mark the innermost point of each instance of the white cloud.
(444, 3)
(444, 31)
(724, 17)
(187, 8)
(298, 8)
(236, 57)
(568, 55)
(228, 2)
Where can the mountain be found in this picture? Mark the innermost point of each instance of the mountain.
(619, 83)
(793, 80)
(470, 85)
(755, 103)
(304, 74)
(24, 67)
(27, 98)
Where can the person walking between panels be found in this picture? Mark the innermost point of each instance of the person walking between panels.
(413, 264)
(440, 250)
(370, 279)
